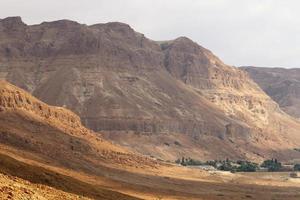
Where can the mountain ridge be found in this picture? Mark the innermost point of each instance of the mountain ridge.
(54, 132)
(144, 94)
(281, 84)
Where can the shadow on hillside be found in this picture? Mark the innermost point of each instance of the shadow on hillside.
(39, 175)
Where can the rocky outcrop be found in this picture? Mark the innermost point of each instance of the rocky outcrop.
(117, 80)
(35, 128)
(226, 86)
(197, 66)
(11, 98)
(282, 85)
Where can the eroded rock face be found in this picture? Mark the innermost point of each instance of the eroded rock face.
(12, 98)
(118, 80)
(226, 86)
(283, 85)
(33, 127)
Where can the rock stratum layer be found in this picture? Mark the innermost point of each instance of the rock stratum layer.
(168, 99)
(283, 85)
(56, 133)
(45, 152)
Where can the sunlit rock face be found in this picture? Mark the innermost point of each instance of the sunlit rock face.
(141, 91)
(282, 85)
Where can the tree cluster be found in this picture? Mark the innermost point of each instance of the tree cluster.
(224, 165)
(272, 165)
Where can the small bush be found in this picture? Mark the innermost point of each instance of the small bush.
(177, 143)
(297, 149)
(178, 161)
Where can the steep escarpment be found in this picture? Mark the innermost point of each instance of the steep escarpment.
(144, 94)
(11, 98)
(226, 86)
(282, 85)
(41, 144)
(56, 134)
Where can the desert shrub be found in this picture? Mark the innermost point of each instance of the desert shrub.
(177, 143)
(178, 161)
(297, 149)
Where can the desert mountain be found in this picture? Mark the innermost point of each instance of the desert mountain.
(283, 85)
(167, 99)
(55, 133)
(45, 153)
(40, 142)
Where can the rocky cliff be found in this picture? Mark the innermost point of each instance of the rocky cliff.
(11, 98)
(146, 94)
(32, 127)
(283, 85)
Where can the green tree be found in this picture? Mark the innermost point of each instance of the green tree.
(246, 166)
(272, 165)
(297, 167)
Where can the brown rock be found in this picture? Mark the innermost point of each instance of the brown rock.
(142, 92)
(282, 85)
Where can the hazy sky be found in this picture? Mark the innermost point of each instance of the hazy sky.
(241, 32)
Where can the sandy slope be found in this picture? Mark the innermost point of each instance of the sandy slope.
(15, 188)
(170, 182)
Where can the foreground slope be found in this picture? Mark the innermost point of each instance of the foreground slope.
(283, 85)
(167, 99)
(16, 188)
(45, 153)
(35, 138)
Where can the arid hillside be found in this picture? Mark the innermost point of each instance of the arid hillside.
(165, 99)
(38, 142)
(56, 133)
(45, 153)
(282, 85)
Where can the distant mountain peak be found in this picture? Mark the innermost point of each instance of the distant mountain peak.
(15, 19)
(64, 23)
(12, 22)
